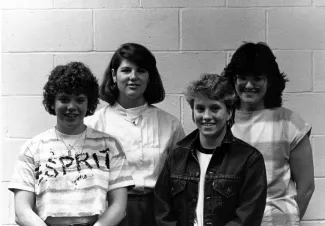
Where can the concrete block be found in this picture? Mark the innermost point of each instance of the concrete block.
(297, 65)
(182, 3)
(10, 151)
(265, 3)
(297, 28)
(316, 207)
(312, 223)
(25, 73)
(26, 117)
(319, 2)
(27, 31)
(97, 62)
(310, 107)
(319, 71)
(156, 29)
(27, 4)
(95, 4)
(172, 105)
(178, 69)
(188, 123)
(221, 29)
(319, 155)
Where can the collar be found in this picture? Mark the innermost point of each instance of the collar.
(189, 140)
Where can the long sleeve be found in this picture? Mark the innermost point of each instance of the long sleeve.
(252, 194)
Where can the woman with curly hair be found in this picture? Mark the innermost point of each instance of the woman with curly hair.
(279, 133)
(65, 175)
(131, 86)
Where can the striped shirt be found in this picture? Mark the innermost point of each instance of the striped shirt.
(147, 134)
(275, 133)
(71, 184)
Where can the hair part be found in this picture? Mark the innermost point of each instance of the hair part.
(142, 58)
(258, 59)
(214, 87)
(72, 78)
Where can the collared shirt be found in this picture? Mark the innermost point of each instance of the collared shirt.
(275, 133)
(146, 133)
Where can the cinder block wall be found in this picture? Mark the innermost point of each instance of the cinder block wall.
(188, 37)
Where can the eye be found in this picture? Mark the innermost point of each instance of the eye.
(214, 108)
(63, 99)
(241, 77)
(81, 100)
(259, 78)
(199, 108)
(126, 70)
(142, 70)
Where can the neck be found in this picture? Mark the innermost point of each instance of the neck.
(212, 142)
(131, 103)
(250, 107)
(71, 131)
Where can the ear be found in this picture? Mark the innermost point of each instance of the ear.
(230, 112)
(114, 75)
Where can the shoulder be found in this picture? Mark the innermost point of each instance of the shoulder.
(32, 145)
(163, 116)
(245, 150)
(108, 139)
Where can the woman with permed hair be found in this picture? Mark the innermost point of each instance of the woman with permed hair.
(71, 174)
(131, 86)
(279, 133)
(211, 178)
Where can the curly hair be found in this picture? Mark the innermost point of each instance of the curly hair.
(214, 87)
(141, 57)
(73, 78)
(258, 59)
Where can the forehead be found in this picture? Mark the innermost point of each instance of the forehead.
(127, 63)
(202, 100)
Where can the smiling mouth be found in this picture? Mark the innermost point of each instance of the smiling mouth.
(208, 124)
(71, 116)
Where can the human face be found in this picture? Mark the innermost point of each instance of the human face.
(251, 90)
(210, 117)
(70, 111)
(132, 82)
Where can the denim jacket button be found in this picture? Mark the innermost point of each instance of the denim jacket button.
(208, 223)
(197, 174)
(208, 197)
(194, 200)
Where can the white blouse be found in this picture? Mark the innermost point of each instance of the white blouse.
(146, 133)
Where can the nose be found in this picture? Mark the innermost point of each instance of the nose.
(71, 106)
(206, 114)
(249, 84)
(133, 75)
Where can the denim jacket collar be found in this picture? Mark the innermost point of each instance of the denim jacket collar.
(189, 140)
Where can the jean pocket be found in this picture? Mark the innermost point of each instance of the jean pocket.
(226, 187)
(177, 186)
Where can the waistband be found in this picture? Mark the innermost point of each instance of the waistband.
(75, 224)
(72, 221)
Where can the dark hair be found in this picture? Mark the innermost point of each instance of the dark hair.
(213, 87)
(258, 59)
(73, 78)
(141, 57)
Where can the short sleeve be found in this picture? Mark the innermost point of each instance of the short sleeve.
(120, 175)
(23, 177)
(178, 134)
(298, 129)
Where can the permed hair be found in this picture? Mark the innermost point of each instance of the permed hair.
(214, 87)
(73, 78)
(142, 58)
(258, 59)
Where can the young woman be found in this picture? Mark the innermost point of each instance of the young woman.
(280, 134)
(66, 175)
(130, 86)
(211, 178)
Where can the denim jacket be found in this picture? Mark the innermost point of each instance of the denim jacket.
(235, 185)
